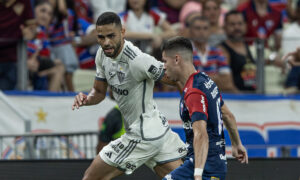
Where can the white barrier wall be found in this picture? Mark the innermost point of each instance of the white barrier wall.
(266, 124)
(54, 113)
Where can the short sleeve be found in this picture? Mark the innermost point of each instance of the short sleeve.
(196, 103)
(100, 76)
(146, 67)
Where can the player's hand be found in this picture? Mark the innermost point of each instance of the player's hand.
(198, 177)
(80, 100)
(240, 153)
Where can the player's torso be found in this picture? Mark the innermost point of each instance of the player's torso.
(214, 122)
(135, 98)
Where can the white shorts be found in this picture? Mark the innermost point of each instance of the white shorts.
(127, 154)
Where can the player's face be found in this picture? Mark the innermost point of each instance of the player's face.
(111, 39)
(43, 13)
(235, 27)
(170, 66)
(199, 31)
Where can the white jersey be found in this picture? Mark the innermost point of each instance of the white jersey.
(131, 76)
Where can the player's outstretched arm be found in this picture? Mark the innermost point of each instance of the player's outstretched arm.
(96, 95)
(200, 147)
(238, 150)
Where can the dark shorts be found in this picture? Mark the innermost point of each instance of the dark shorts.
(186, 172)
(293, 79)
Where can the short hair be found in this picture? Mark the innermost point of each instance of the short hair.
(41, 2)
(233, 12)
(178, 44)
(109, 18)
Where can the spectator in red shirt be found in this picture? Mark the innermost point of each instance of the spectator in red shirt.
(262, 20)
(16, 21)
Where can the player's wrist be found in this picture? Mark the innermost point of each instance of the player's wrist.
(198, 172)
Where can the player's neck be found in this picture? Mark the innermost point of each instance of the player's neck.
(121, 48)
(187, 71)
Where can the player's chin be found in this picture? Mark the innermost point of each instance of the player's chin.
(109, 54)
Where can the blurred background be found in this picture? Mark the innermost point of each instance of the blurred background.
(47, 53)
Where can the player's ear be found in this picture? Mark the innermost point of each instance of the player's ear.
(123, 31)
(176, 58)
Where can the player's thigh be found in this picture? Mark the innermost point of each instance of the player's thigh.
(183, 172)
(99, 170)
(127, 153)
(162, 169)
(170, 155)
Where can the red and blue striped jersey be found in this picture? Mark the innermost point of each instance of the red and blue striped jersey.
(85, 55)
(212, 62)
(41, 43)
(60, 31)
(202, 100)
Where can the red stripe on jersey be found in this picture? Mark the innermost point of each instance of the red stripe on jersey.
(155, 17)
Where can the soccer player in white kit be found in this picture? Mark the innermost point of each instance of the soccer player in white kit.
(131, 74)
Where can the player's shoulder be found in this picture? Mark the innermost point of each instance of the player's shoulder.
(133, 53)
(202, 83)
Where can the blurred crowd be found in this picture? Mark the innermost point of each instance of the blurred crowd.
(61, 38)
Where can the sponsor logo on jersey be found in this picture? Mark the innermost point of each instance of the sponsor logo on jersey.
(153, 70)
(123, 92)
(208, 84)
(156, 72)
(203, 103)
(214, 92)
(121, 76)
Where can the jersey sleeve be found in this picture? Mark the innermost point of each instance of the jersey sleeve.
(100, 76)
(146, 67)
(196, 103)
(112, 124)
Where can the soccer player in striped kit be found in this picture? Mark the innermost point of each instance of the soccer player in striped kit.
(203, 112)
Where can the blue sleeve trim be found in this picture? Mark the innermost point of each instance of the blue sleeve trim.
(197, 116)
(100, 79)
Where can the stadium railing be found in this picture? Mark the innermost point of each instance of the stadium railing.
(32, 146)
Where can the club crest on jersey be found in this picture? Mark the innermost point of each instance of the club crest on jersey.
(121, 76)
